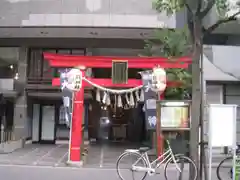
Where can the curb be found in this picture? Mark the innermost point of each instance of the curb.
(75, 164)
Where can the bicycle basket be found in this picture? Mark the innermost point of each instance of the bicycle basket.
(178, 146)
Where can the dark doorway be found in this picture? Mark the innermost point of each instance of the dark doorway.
(6, 118)
(125, 124)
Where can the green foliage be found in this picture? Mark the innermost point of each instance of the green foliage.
(173, 6)
(170, 6)
(171, 44)
(222, 7)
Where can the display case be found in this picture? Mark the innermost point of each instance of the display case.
(174, 123)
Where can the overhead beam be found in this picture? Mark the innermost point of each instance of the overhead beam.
(59, 60)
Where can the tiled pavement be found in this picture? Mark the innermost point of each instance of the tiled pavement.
(105, 156)
(37, 155)
(99, 156)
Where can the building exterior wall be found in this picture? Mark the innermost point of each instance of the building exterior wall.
(234, 40)
(233, 97)
(20, 108)
(226, 58)
(85, 13)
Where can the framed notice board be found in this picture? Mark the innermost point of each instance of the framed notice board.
(174, 115)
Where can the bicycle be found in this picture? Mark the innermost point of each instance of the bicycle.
(150, 168)
(224, 169)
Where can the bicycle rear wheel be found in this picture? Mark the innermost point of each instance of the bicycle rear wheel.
(124, 166)
(184, 163)
(224, 169)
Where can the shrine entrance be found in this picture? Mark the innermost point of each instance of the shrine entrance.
(116, 109)
(127, 124)
(106, 143)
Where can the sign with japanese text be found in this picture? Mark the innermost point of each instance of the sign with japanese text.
(67, 96)
(150, 98)
(174, 114)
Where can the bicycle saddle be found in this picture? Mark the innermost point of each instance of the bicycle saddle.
(143, 149)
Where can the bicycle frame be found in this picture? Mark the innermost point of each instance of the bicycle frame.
(164, 158)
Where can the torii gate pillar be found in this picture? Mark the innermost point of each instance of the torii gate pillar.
(76, 128)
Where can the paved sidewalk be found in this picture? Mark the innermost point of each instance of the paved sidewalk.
(99, 157)
(37, 155)
(107, 155)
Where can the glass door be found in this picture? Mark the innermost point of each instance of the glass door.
(48, 124)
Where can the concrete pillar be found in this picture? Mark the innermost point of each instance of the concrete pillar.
(20, 108)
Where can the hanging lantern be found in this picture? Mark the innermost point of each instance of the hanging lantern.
(159, 79)
(74, 79)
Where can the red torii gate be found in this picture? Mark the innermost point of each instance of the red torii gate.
(68, 61)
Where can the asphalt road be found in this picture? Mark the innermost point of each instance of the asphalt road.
(19, 172)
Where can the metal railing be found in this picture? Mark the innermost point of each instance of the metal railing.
(6, 135)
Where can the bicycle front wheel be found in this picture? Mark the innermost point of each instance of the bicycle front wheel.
(125, 163)
(224, 169)
(182, 163)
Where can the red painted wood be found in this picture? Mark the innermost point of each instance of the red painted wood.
(76, 129)
(108, 83)
(59, 60)
(160, 138)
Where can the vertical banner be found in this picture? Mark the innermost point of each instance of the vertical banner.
(150, 98)
(67, 96)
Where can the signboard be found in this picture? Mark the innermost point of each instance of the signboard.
(150, 98)
(174, 114)
(222, 130)
(222, 117)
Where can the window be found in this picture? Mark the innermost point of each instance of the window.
(38, 68)
(8, 61)
(214, 94)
